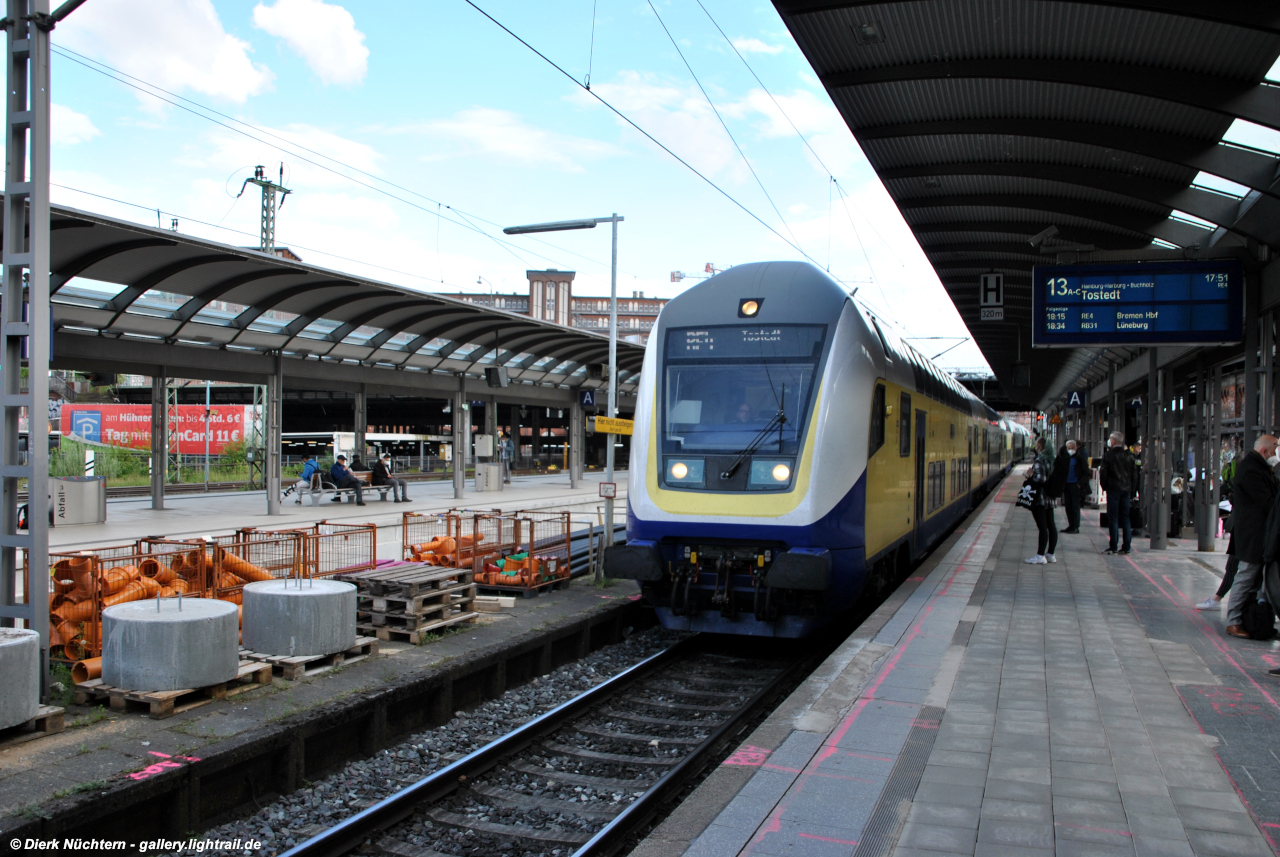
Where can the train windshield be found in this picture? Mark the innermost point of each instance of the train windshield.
(724, 386)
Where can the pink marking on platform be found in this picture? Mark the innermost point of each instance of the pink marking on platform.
(1220, 644)
(748, 756)
(828, 839)
(774, 822)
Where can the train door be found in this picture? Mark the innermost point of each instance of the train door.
(922, 429)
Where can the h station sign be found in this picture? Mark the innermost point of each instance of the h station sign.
(991, 297)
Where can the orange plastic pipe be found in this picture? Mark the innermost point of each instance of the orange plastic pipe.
(149, 567)
(81, 569)
(243, 569)
(86, 670)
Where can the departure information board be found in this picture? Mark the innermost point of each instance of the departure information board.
(1158, 303)
(756, 340)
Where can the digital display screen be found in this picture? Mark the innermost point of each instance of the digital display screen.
(1161, 303)
(739, 341)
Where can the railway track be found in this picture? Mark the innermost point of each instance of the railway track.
(584, 777)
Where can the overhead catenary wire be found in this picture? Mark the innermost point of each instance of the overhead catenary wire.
(185, 218)
(784, 113)
(643, 132)
(145, 87)
(725, 126)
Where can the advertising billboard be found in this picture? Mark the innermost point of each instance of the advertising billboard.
(130, 425)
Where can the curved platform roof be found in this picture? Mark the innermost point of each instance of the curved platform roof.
(992, 121)
(151, 290)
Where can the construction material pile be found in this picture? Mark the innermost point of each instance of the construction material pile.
(85, 583)
(523, 550)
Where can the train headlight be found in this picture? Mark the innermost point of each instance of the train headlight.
(769, 474)
(749, 307)
(686, 472)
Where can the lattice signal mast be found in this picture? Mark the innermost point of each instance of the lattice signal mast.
(267, 228)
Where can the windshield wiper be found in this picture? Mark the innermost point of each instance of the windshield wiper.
(779, 420)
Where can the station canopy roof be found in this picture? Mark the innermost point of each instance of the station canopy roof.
(1134, 128)
(128, 282)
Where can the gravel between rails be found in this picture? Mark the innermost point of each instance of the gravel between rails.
(296, 817)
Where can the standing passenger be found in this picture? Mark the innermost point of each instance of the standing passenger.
(1077, 486)
(1252, 493)
(1042, 507)
(1119, 478)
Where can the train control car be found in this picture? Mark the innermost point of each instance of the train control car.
(788, 452)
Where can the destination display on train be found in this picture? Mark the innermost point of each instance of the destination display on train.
(1165, 303)
(751, 340)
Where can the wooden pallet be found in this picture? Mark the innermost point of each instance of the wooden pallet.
(166, 703)
(49, 720)
(406, 582)
(526, 591)
(427, 616)
(388, 633)
(416, 604)
(292, 668)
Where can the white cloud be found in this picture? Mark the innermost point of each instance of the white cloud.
(484, 130)
(755, 46)
(70, 127)
(819, 122)
(323, 34)
(177, 44)
(676, 114)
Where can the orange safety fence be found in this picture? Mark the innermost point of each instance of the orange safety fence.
(431, 539)
(263, 556)
(329, 548)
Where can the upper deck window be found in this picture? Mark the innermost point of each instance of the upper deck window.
(724, 385)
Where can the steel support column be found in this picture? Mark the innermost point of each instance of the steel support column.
(1252, 325)
(25, 255)
(159, 439)
(1162, 435)
(1152, 483)
(1213, 463)
(461, 422)
(577, 435)
(275, 409)
(361, 422)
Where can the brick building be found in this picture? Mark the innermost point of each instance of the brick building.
(550, 297)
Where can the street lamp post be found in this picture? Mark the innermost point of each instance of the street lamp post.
(591, 223)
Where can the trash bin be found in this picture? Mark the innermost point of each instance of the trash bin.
(488, 477)
(78, 500)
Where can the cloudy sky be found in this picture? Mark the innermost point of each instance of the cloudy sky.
(411, 132)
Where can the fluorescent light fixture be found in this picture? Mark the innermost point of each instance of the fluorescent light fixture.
(558, 226)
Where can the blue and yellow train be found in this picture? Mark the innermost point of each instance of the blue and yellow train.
(789, 452)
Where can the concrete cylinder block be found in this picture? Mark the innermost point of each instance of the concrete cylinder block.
(19, 676)
(299, 618)
(170, 643)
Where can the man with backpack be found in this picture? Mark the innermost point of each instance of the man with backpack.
(1119, 479)
(1252, 496)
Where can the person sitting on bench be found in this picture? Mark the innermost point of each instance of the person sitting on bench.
(382, 476)
(343, 479)
(310, 468)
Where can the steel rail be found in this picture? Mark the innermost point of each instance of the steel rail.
(608, 839)
(351, 832)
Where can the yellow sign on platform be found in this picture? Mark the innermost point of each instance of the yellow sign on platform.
(609, 425)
